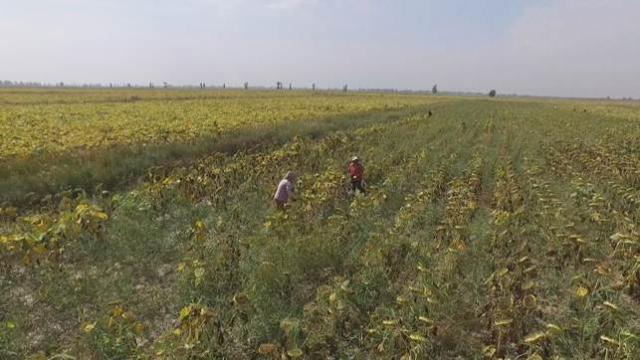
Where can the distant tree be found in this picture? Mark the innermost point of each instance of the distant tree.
(313, 87)
(290, 86)
(492, 93)
(345, 88)
(246, 85)
(434, 90)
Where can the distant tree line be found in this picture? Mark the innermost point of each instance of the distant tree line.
(245, 86)
(9, 83)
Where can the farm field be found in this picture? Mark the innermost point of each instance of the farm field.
(62, 139)
(139, 224)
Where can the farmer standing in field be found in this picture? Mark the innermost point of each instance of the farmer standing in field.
(285, 190)
(356, 173)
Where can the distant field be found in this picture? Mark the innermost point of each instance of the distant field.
(36, 122)
(82, 138)
(495, 228)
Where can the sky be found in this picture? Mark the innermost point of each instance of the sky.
(576, 48)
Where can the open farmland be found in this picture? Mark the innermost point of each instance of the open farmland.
(139, 224)
(74, 138)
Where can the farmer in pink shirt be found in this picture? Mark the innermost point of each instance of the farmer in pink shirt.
(285, 190)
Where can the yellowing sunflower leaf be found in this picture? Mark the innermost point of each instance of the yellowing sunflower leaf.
(88, 328)
(582, 291)
(535, 337)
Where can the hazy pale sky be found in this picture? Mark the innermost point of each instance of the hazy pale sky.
(538, 47)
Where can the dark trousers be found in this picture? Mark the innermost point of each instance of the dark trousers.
(280, 205)
(357, 185)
